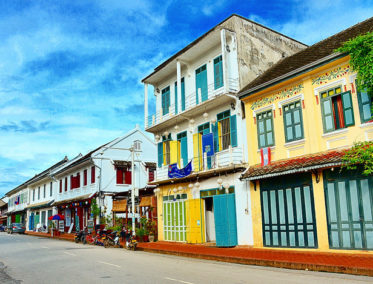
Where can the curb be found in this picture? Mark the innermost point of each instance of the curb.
(270, 263)
(50, 237)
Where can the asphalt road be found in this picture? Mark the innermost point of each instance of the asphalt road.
(29, 259)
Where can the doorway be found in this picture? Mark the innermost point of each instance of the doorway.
(210, 219)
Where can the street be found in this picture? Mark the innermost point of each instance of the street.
(28, 259)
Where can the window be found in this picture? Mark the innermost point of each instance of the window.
(293, 121)
(124, 176)
(167, 151)
(38, 192)
(71, 182)
(201, 84)
(337, 109)
(60, 185)
(93, 174)
(182, 96)
(33, 195)
(151, 174)
(365, 105)
(182, 139)
(45, 191)
(50, 189)
(218, 72)
(265, 129)
(165, 100)
(85, 177)
(65, 183)
(225, 131)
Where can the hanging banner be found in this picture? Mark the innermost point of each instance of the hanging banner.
(208, 144)
(265, 154)
(175, 172)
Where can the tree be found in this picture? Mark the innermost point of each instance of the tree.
(360, 50)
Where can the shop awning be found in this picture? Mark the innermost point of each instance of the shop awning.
(119, 205)
(295, 165)
(146, 201)
(40, 205)
(75, 199)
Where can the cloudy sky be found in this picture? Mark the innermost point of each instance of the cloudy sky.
(70, 71)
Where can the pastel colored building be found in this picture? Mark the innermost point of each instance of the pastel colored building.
(302, 114)
(199, 125)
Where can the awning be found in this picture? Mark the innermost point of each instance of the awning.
(295, 165)
(119, 205)
(75, 199)
(146, 201)
(40, 205)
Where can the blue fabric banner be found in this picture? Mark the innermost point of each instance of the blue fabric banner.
(175, 172)
(208, 144)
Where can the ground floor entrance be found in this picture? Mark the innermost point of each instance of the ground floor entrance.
(288, 212)
(174, 217)
(349, 202)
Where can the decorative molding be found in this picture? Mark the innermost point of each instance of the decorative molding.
(366, 124)
(291, 99)
(259, 110)
(334, 140)
(331, 84)
(335, 132)
(294, 143)
(333, 74)
(352, 78)
(286, 93)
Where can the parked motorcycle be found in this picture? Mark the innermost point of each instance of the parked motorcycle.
(112, 239)
(80, 236)
(131, 243)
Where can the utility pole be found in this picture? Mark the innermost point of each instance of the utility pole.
(133, 188)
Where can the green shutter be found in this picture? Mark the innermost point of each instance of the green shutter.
(176, 102)
(160, 154)
(218, 72)
(327, 115)
(348, 111)
(365, 106)
(215, 131)
(182, 94)
(233, 125)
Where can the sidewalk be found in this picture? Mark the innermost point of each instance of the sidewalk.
(66, 237)
(358, 264)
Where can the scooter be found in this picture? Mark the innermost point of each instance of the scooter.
(112, 239)
(80, 236)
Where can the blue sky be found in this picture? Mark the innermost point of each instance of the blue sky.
(70, 71)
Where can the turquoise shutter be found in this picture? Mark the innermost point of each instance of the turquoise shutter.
(184, 150)
(163, 104)
(233, 122)
(218, 72)
(182, 95)
(327, 114)
(176, 102)
(215, 131)
(348, 112)
(160, 154)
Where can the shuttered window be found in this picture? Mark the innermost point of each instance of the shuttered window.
(124, 176)
(166, 100)
(218, 72)
(85, 177)
(93, 174)
(225, 134)
(183, 149)
(265, 129)
(365, 105)
(293, 122)
(60, 185)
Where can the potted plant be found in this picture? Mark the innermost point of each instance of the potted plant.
(151, 227)
(140, 233)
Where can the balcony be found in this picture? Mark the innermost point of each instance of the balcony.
(222, 159)
(192, 104)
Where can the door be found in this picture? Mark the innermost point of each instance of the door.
(225, 220)
(36, 219)
(43, 217)
(174, 221)
(210, 219)
(195, 221)
(201, 84)
(288, 214)
(31, 222)
(349, 203)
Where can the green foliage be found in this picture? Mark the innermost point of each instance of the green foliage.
(360, 50)
(141, 232)
(361, 154)
(95, 209)
(117, 228)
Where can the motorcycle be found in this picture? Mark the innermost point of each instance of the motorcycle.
(112, 239)
(131, 243)
(80, 236)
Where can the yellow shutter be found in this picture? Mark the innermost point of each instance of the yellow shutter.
(195, 221)
(173, 151)
(220, 140)
(179, 154)
(197, 152)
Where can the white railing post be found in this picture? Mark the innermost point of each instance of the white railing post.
(230, 155)
(204, 161)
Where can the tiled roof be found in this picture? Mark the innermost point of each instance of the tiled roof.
(307, 56)
(298, 164)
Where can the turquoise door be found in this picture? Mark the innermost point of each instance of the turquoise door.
(225, 220)
(31, 222)
(201, 84)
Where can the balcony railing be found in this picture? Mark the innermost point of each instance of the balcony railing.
(192, 101)
(225, 158)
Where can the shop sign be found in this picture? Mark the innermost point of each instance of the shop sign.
(68, 217)
(61, 225)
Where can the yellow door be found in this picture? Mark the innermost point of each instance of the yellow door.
(195, 221)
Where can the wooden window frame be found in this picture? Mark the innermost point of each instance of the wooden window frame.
(266, 132)
(293, 125)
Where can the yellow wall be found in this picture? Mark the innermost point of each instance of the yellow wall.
(314, 138)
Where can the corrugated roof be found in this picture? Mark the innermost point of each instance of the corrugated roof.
(312, 54)
(293, 165)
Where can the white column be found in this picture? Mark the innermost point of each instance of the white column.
(146, 105)
(178, 79)
(224, 57)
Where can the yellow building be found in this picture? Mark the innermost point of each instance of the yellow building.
(301, 115)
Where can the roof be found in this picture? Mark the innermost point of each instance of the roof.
(295, 165)
(40, 204)
(317, 52)
(2, 203)
(75, 199)
(193, 43)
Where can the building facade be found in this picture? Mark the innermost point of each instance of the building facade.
(302, 115)
(199, 125)
(3, 211)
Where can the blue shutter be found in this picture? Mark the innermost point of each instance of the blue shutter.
(215, 131)
(233, 122)
(160, 154)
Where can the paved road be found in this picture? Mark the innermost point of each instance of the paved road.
(29, 259)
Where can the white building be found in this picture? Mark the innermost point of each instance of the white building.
(199, 119)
